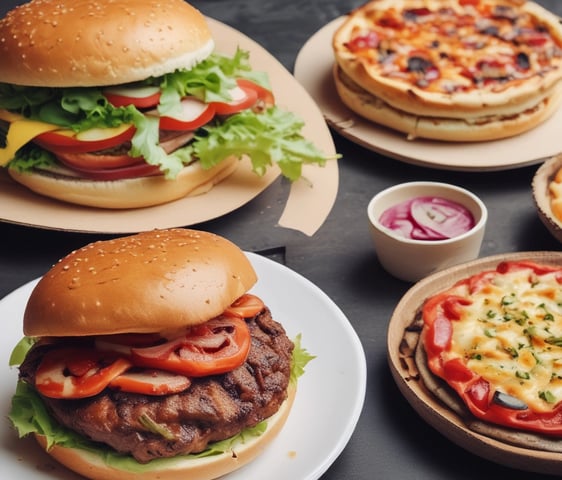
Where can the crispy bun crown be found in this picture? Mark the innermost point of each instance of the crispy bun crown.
(65, 43)
(149, 282)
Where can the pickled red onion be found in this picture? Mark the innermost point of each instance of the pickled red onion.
(428, 218)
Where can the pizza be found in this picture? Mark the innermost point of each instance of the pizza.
(452, 70)
(555, 195)
(490, 347)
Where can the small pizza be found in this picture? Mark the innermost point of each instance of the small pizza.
(555, 194)
(495, 340)
(455, 70)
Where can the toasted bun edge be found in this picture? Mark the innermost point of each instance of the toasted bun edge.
(139, 192)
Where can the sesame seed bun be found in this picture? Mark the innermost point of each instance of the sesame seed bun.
(65, 43)
(170, 279)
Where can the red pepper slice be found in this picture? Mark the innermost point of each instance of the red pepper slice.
(246, 306)
(217, 346)
(150, 382)
(77, 372)
(364, 42)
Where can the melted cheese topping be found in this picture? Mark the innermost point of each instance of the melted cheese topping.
(445, 47)
(511, 335)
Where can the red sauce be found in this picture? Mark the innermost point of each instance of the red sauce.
(428, 218)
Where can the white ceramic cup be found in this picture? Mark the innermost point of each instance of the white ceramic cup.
(412, 260)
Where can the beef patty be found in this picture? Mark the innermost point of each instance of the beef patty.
(211, 409)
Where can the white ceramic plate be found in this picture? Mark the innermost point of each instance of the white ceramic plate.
(426, 404)
(321, 420)
(313, 69)
(21, 206)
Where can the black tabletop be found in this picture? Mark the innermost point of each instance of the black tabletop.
(390, 441)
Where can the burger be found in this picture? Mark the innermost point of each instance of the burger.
(126, 104)
(146, 357)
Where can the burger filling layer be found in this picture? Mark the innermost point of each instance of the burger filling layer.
(211, 409)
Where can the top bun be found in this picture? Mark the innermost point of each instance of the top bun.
(69, 43)
(150, 282)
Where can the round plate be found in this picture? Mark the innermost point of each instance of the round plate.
(306, 446)
(542, 196)
(21, 206)
(313, 69)
(431, 409)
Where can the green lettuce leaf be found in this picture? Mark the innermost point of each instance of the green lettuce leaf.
(20, 350)
(210, 80)
(271, 137)
(82, 108)
(30, 157)
(301, 358)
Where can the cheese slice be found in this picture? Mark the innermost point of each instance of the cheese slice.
(20, 131)
(511, 335)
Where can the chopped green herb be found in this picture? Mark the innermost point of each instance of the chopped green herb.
(547, 396)
(514, 353)
(491, 333)
(508, 299)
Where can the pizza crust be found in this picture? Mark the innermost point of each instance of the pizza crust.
(484, 128)
(505, 109)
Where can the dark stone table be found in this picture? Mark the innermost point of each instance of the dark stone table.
(391, 441)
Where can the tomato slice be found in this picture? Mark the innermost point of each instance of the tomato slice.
(478, 394)
(441, 333)
(264, 94)
(371, 40)
(456, 370)
(77, 372)
(452, 306)
(242, 98)
(505, 267)
(194, 114)
(150, 382)
(217, 346)
(92, 140)
(246, 306)
(138, 169)
(140, 97)
(92, 161)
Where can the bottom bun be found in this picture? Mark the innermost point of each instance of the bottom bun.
(442, 128)
(128, 193)
(90, 465)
